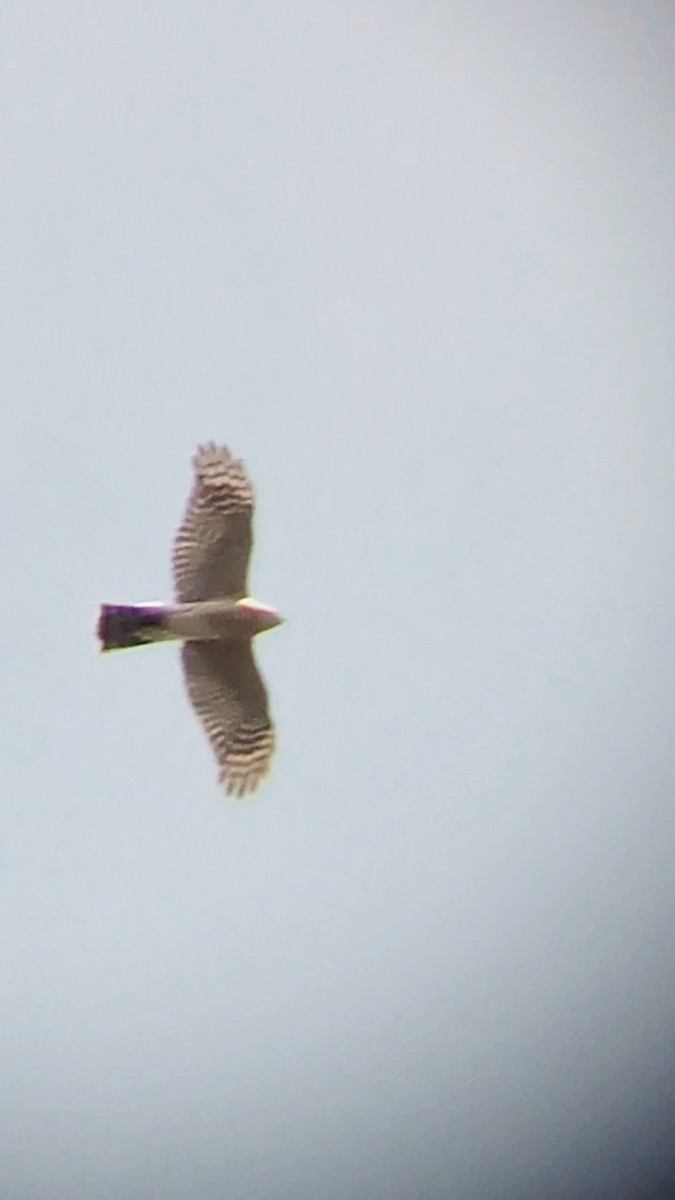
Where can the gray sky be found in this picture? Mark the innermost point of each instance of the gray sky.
(415, 263)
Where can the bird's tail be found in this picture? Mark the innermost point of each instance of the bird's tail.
(123, 625)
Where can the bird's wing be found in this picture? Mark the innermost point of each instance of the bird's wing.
(230, 699)
(213, 544)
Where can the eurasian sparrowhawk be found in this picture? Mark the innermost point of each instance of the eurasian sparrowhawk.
(214, 618)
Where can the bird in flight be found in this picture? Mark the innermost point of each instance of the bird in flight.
(215, 619)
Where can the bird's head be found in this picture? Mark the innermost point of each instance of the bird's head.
(261, 616)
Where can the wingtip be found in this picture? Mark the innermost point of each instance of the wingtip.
(210, 452)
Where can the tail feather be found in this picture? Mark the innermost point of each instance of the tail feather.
(123, 625)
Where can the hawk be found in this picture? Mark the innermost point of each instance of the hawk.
(215, 619)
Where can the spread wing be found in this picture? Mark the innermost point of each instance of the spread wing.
(230, 699)
(213, 544)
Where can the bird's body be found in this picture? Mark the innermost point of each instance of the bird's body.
(214, 618)
(121, 626)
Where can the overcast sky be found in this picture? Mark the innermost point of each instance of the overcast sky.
(415, 263)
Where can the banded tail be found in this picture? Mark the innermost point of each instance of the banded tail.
(121, 626)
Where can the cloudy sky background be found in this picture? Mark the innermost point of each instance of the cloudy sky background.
(415, 263)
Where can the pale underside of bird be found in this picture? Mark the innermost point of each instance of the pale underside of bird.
(214, 618)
